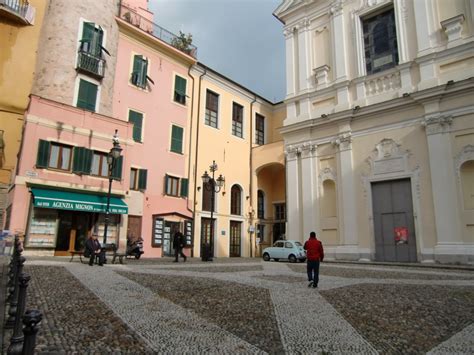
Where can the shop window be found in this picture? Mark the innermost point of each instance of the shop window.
(237, 119)
(467, 181)
(112, 228)
(212, 106)
(60, 157)
(329, 199)
(99, 164)
(236, 200)
(136, 118)
(176, 139)
(179, 90)
(260, 205)
(42, 228)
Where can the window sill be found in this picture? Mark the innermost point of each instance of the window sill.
(179, 153)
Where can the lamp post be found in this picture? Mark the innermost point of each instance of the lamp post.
(112, 157)
(213, 185)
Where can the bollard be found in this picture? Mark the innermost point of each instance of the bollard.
(14, 302)
(16, 342)
(31, 320)
(13, 267)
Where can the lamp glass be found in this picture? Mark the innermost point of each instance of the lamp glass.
(205, 177)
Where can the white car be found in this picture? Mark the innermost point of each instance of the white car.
(285, 249)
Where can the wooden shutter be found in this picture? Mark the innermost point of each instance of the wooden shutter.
(144, 72)
(116, 173)
(88, 30)
(87, 95)
(137, 119)
(82, 160)
(166, 184)
(184, 188)
(137, 62)
(177, 139)
(142, 175)
(42, 157)
(180, 89)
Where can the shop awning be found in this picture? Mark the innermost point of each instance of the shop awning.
(74, 201)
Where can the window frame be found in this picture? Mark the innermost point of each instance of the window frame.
(235, 119)
(236, 200)
(259, 133)
(60, 156)
(77, 90)
(172, 139)
(134, 184)
(207, 115)
(142, 85)
(279, 215)
(102, 158)
(142, 127)
(175, 180)
(176, 95)
(260, 205)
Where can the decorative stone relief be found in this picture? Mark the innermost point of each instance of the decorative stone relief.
(321, 76)
(327, 174)
(453, 27)
(288, 33)
(437, 124)
(292, 151)
(466, 154)
(305, 149)
(308, 149)
(336, 9)
(343, 141)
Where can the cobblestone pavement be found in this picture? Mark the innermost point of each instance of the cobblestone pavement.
(250, 307)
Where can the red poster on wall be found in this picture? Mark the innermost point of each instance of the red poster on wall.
(401, 235)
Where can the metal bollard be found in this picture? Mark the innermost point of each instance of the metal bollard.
(14, 302)
(31, 320)
(16, 342)
(13, 267)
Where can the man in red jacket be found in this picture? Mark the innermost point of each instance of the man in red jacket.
(314, 255)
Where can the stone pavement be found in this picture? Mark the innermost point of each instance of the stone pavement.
(249, 306)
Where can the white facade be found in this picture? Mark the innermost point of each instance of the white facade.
(361, 113)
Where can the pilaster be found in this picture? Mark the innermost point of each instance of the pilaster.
(289, 46)
(309, 173)
(293, 211)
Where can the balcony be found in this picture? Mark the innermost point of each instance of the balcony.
(132, 17)
(18, 11)
(90, 64)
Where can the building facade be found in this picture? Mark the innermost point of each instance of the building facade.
(379, 133)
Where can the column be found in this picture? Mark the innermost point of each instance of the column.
(293, 211)
(290, 65)
(309, 173)
(304, 65)
(346, 199)
(443, 181)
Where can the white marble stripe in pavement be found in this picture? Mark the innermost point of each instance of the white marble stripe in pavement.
(459, 344)
(165, 326)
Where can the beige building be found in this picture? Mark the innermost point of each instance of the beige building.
(379, 133)
(238, 130)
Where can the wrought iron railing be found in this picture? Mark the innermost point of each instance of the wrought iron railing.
(132, 17)
(90, 64)
(21, 8)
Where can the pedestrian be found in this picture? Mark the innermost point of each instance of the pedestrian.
(178, 245)
(93, 249)
(314, 255)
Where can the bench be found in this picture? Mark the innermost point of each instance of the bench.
(76, 252)
(112, 251)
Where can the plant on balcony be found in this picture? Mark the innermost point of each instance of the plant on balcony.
(183, 42)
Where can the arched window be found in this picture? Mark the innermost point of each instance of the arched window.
(329, 205)
(260, 205)
(207, 196)
(467, 182)
(236, 200)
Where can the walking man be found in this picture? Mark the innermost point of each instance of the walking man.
(314, 255)
(178, 245)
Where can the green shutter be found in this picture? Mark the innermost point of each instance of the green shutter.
(140, 68)
(180, 89)
(87, 95)
(144, 72)
(88, 30)
(142, 175)
(177, 139)
(137, 119)
(99, 37)
(166, 184)
(117, 170)
(42, 157)
(82, 160)
(184, 188)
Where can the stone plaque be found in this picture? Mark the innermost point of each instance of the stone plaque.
(390, 165)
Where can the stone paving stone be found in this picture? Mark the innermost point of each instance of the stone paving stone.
(242, 310)
(74, 320)
(461, 343)
(217, 268)
(408, 319)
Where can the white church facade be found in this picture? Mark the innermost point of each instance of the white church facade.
(379, 133)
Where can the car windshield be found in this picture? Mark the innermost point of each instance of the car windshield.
(298, 244)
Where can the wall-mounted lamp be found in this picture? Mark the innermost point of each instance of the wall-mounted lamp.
(199, 188)
(406, 94)
(247, 197)
(356, 108)
(324, 115)
(450, 82)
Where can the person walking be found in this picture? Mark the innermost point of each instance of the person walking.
(314, 255)
(93, 249)
(178, 245)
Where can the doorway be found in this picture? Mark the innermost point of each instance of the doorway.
(73, 231)
(235, 238)
(394, 227)
(206, 237)
(134, 231)
(170, 229)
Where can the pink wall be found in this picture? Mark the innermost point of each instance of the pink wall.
(160, 112)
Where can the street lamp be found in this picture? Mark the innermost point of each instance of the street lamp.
(213, 185)
(112, 157)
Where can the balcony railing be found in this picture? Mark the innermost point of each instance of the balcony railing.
(90, 64)
(132, 17)
(18, 11)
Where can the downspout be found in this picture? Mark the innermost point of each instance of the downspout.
(190, 136)
(251, 177)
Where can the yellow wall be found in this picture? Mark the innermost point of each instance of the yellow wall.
(18, 48)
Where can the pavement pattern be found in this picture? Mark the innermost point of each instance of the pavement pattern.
(250, 307)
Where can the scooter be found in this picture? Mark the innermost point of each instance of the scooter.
(135, 248)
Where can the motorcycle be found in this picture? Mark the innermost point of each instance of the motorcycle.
(135, 248)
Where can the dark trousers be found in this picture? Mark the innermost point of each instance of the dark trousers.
(312, 266)
(100, 255)
(179, 251)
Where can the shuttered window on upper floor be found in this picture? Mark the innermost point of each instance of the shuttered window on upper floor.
(180, 90)
(137, 119)
(87, 95)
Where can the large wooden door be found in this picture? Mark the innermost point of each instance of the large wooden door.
(134, 230)
(235, 238)
(394, 227)
(206, 237)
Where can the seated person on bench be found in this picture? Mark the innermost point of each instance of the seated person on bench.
(94, 249)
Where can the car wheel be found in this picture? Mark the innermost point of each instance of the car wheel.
(276, 259)
(292, 258)
(266, 257)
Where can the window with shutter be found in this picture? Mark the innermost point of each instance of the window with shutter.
(42, 157)
(116, 173)
(184, 188)
(100, 167)
(82, 161)
(133, 179)
(212, 105)
(140, 71)
(60, 157)
(142, 176)
(92, 38)
(171, 185)
(259, 129)
(177, 139)
(87, 95)
(137, 119)
(180, 90)
(237, 119)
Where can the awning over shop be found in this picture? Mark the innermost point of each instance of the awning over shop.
(74, 201)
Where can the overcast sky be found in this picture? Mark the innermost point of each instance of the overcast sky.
(240, 39)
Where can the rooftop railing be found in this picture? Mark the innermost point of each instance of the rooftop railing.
(18, 10)
(132, 17)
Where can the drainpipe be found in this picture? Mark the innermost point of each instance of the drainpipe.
(190, 136)
(251, 176)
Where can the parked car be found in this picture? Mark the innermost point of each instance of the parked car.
(285, 249)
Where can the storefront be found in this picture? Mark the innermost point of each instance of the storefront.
(61, 220)
(164, 228)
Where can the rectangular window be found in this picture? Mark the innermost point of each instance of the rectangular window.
(180, 90)
(261, 232)
(133, 179)
(137, 119)
(259, 129)
(99, 164)
(90, 58)
(237, 119)
(176, 139)
(212, 105)
(380, 42)
(140, 71)
(171, 185)
(280, 211)
(87, 95)
(60, 157)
